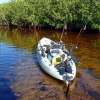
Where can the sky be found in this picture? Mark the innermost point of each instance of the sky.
(3, 1)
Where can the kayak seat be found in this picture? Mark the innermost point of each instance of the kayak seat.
(56, 60)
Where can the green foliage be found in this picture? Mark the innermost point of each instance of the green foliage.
(51, 13)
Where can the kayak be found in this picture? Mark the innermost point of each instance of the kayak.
(56, 60)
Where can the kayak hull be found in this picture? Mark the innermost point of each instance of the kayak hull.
(50, 68)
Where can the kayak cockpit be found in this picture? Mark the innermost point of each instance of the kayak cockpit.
(57, 57)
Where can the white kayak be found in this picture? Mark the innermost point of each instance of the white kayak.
(56, 60)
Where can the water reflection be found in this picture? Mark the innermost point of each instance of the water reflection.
(9, 57)
(6, 92)
(21, 76)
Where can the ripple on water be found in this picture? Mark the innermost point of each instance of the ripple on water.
(21, 71)
(21, 76)
(30, 83)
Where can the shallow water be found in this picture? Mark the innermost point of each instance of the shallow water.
(22, 78)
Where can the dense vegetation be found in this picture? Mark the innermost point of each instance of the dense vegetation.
(52, 13)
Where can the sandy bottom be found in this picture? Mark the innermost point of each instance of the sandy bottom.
(31, 83)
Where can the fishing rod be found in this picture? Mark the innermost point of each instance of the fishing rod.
(64, 28)
(82, 30)
(77, 38)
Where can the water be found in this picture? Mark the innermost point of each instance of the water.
(9, 57)
(22, 78)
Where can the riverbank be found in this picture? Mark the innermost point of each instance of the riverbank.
(71, 29)
(51, 13)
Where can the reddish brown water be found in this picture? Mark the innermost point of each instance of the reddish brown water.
(21, 77)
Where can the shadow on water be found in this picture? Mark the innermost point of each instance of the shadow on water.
(89, 72)
(6, 92)
(94, 94)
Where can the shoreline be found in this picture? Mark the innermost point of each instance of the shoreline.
(37, 28)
